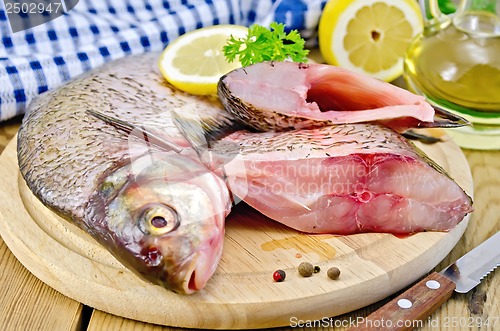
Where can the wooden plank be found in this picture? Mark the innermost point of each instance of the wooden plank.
(480, 308)
(102, 321)
(29, 304)
(8, 130)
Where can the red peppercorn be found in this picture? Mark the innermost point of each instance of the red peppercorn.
(279, 276)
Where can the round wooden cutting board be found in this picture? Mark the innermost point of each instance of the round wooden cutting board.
(242, 293)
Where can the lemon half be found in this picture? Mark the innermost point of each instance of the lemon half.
(194, 62)
(367, 36)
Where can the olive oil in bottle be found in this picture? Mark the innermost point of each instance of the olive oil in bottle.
(452, 67)
(455, 64)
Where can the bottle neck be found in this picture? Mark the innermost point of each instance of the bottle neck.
(478, 17)
(434, 19)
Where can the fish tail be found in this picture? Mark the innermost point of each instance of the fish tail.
(445, 119)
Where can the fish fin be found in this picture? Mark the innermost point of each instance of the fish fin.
(135, 130)
(425, 139)
(201, 132)
(445, 119)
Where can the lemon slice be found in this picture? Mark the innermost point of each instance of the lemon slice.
(367, 36)
(194, 62)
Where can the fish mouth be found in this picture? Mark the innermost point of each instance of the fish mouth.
(197, 274)
(201, 266)
(193, 281)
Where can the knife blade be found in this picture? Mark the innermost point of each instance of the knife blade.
(426, 296)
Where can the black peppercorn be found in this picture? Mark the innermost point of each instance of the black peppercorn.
(333, 273)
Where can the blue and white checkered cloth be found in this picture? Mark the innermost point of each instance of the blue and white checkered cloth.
(97, 31)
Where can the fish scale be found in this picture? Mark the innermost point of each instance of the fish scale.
(339, 140)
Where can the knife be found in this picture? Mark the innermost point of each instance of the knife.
(425, 297)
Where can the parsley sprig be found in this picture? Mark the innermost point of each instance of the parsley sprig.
(262, 44)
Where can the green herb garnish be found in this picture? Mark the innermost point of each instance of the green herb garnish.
(262, 44)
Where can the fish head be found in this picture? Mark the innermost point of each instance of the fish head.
(166, 220)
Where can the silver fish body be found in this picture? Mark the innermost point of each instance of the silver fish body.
(159, 212)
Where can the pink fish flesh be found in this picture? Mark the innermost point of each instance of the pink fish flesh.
(284, 95)
(341, 179)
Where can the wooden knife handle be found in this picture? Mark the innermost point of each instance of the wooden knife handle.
(416, 303)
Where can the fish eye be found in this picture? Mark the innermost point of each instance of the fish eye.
(158, 220)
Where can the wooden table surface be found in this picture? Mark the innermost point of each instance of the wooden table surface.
(28, 304)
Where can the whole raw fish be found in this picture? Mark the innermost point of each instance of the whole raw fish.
(159, 212)
(285, 95)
